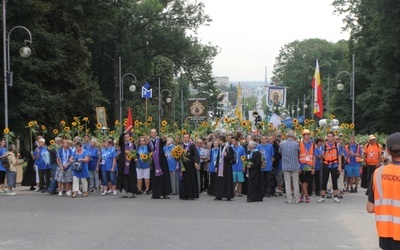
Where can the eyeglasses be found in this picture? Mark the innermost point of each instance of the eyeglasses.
(337, 139)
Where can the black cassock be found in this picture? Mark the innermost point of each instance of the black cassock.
(126, 181)
(189, 188)
(254, 187)
(160, 185)
(223, 187)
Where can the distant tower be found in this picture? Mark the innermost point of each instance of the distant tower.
(266, 76)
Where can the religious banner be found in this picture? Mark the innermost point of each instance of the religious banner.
(197, 109)
(147, 92)
(101, 116)
(276, 96)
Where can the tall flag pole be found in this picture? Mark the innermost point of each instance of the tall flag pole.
(316, 85)
(239, 111)
(147, 93)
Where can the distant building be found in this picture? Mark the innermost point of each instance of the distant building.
(221, 81)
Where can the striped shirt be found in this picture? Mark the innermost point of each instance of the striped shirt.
(290, 155)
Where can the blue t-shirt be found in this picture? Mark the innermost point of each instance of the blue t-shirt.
(267, 150)
(354, 148)
(238, 167)
(93, 152)
(142, 150)
(44, 158)
(213, 159)
(170, 160)
(84, 173)
(318, 162)
(107, 159)
(64, 155)
(307, 145)
(2, 152)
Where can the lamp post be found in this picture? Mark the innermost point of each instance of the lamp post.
(25, 51)
(132, 88)
(182, 115)
(168, 100)
(305, 106)
(340, 86)
(297, 109)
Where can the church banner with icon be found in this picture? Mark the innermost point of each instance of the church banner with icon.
(197, 109)
(276, 96)
(101, 116)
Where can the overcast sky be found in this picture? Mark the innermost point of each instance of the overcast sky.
(250, 33)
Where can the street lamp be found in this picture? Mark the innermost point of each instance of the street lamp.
(132, 88)
(25, 51)
(168, 100)
(340, 86)
(305, 106)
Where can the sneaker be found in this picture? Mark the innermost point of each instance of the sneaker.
(60, 193)
(104, 193)
(300, 199)
(79, 192)
(321, 200)
(336, 199)
(355, 190)
(109, 191)
(288, 201)
(114, 192)
(11, 193)
(37, 189)
(307, 199)
(68, 193)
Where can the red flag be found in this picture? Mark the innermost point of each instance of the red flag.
(129, 122)
(316, 85)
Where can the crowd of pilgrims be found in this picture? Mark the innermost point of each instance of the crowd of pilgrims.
(215, 164)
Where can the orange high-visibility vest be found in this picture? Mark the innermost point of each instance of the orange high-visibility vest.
(372, 153)
(358, 158)
(386, 187)
(306, 157)
(331, 154)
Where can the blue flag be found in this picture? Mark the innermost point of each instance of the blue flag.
(147, 93)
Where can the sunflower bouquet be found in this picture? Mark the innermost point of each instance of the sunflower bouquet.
(130, 154)
(53, 146)
(179, 154)
(245, 162)
(146, 157)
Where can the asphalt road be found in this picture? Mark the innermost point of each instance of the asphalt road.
(32, 220)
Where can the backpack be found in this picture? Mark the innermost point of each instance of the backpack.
(5, 162)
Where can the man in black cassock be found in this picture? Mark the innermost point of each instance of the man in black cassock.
(254, 184)
(127, 177)
(189, 188)
(224, 181)
(159, 173)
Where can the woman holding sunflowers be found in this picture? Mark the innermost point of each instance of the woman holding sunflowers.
(127, 178)
(143, 166)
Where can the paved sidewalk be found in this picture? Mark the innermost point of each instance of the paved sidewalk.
(32, 220)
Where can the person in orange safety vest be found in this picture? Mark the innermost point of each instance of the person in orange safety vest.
(372, 157)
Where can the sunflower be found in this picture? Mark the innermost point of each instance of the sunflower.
(283, 125)
(52, 142)
(62, 122)
(128, 157)
(30, 124)
(43, 127)
(233, 120)
(116, 122)
(143, 157)
(335, 132)
(6, 131)
(205, 124)
(150, 119)
(328, 130)
(261, 124)
(125, 122)
(164, 123)
(35, 122)
(218, 119)
(55, 131)
(243, 157)
(331, 117)
(244, 124)
(297, 126)
(98, 126)
(295, 121)
(73, 124)
(76, 118)
(162, 130)
(130, 139)
(183, 132)
(86, 119)
(343, 125)
(66, 129)
(352, 125)
(347, 125)
(80, 128)
(270, 125)
(226, 120)
(311, 121)
(112, 132)
(136, 122)
(306, 121)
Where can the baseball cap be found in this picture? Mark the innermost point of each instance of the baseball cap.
(393, 142)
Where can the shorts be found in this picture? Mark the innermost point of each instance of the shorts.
(279, 177)
(353, 170)
(143, 173)
(12, 179)
(238, 177)
(2, 177)
(305, 176)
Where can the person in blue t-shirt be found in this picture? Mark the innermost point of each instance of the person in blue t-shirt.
(267, 151)
(143, 168)
(354, 158)
(82, 156)
(94, 164)
(3, 171)
(172, 165)
(238, 176)
(42, 161)
(212, 174)
(108, 167)
(315, 182)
